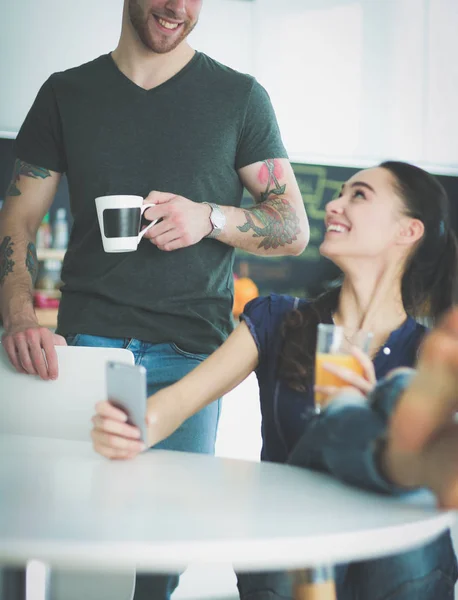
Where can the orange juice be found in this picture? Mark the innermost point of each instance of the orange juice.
(323, 377)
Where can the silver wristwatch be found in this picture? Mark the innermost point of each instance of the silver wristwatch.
(217, 219)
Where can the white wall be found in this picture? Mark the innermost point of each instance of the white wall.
(352, 81)
(39, 37)
(441, 83)
(357, 81)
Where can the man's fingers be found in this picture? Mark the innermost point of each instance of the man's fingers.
(154, 213)
(13, 355)
(59, 340)
(156, 197)
(32, 351)
(169, 241)
(24, 355)
(38, 360)
(160, 228)
(47, 342)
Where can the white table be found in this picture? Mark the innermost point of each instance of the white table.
(62, 504)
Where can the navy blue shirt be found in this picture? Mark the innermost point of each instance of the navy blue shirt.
(285, 411)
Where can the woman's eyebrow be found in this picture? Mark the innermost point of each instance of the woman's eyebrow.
(361, 184)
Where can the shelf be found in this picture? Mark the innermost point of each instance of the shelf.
(50, 254)
(48, 293)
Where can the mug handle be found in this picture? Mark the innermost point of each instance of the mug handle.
(143, 231)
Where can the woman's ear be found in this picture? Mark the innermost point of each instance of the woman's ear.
(410, 232)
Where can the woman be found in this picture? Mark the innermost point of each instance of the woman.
(389, 232)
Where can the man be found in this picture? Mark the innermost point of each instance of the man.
(154, 118)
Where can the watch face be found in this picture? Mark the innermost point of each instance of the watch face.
(218, 219)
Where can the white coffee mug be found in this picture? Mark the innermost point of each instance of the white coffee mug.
(120, 221)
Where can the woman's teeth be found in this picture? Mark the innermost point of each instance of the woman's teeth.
(338, 228)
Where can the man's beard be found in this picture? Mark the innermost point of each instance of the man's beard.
(139, 22)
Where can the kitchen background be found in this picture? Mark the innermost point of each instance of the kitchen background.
(353, 82)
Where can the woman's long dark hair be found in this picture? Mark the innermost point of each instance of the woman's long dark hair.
(429, 284)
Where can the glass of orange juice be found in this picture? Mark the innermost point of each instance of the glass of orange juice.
(333, 347)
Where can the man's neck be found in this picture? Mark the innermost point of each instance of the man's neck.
(148, 69)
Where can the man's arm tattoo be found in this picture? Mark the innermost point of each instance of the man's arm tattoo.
(22, 168)
(270, 173)
(31, 261)
(279, 224)
(6, 262)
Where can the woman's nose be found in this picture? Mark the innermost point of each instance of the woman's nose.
(335, 206)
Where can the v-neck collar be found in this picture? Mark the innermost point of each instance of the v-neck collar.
(161, 86)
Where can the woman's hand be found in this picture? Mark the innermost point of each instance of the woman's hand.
(357, 383)
(113, 438)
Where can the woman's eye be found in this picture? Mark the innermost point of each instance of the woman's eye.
(359, 194)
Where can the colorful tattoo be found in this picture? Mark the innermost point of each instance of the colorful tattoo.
(279, 223)
(6, 262)
(27, 170)
(31, 261)
(270, 173)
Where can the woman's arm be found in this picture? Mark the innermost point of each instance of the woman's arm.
(170, 407)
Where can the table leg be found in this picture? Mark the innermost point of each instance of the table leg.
(31, 583)
(315, 584)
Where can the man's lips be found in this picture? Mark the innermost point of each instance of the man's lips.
(167, 24)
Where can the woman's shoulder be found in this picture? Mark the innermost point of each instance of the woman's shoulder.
(264, 317)
(272, 306)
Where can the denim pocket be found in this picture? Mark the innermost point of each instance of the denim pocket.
(193, 355)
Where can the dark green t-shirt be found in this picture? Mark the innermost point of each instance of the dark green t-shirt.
(188, 136)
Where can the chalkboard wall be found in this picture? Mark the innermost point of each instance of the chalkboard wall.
(299, 275)
(308, 274)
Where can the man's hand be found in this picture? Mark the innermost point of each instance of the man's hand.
(30, 349)
(182, 221)
(422, 447)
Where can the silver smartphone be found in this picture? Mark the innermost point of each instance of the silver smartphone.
(126, 387)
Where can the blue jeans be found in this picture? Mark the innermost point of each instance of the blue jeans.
(165, 364)
(428, 573)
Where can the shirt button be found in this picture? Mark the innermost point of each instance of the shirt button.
(386, 351)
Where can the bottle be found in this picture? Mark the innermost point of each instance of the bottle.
(44, 236)
(49, 276)
(60, 230)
